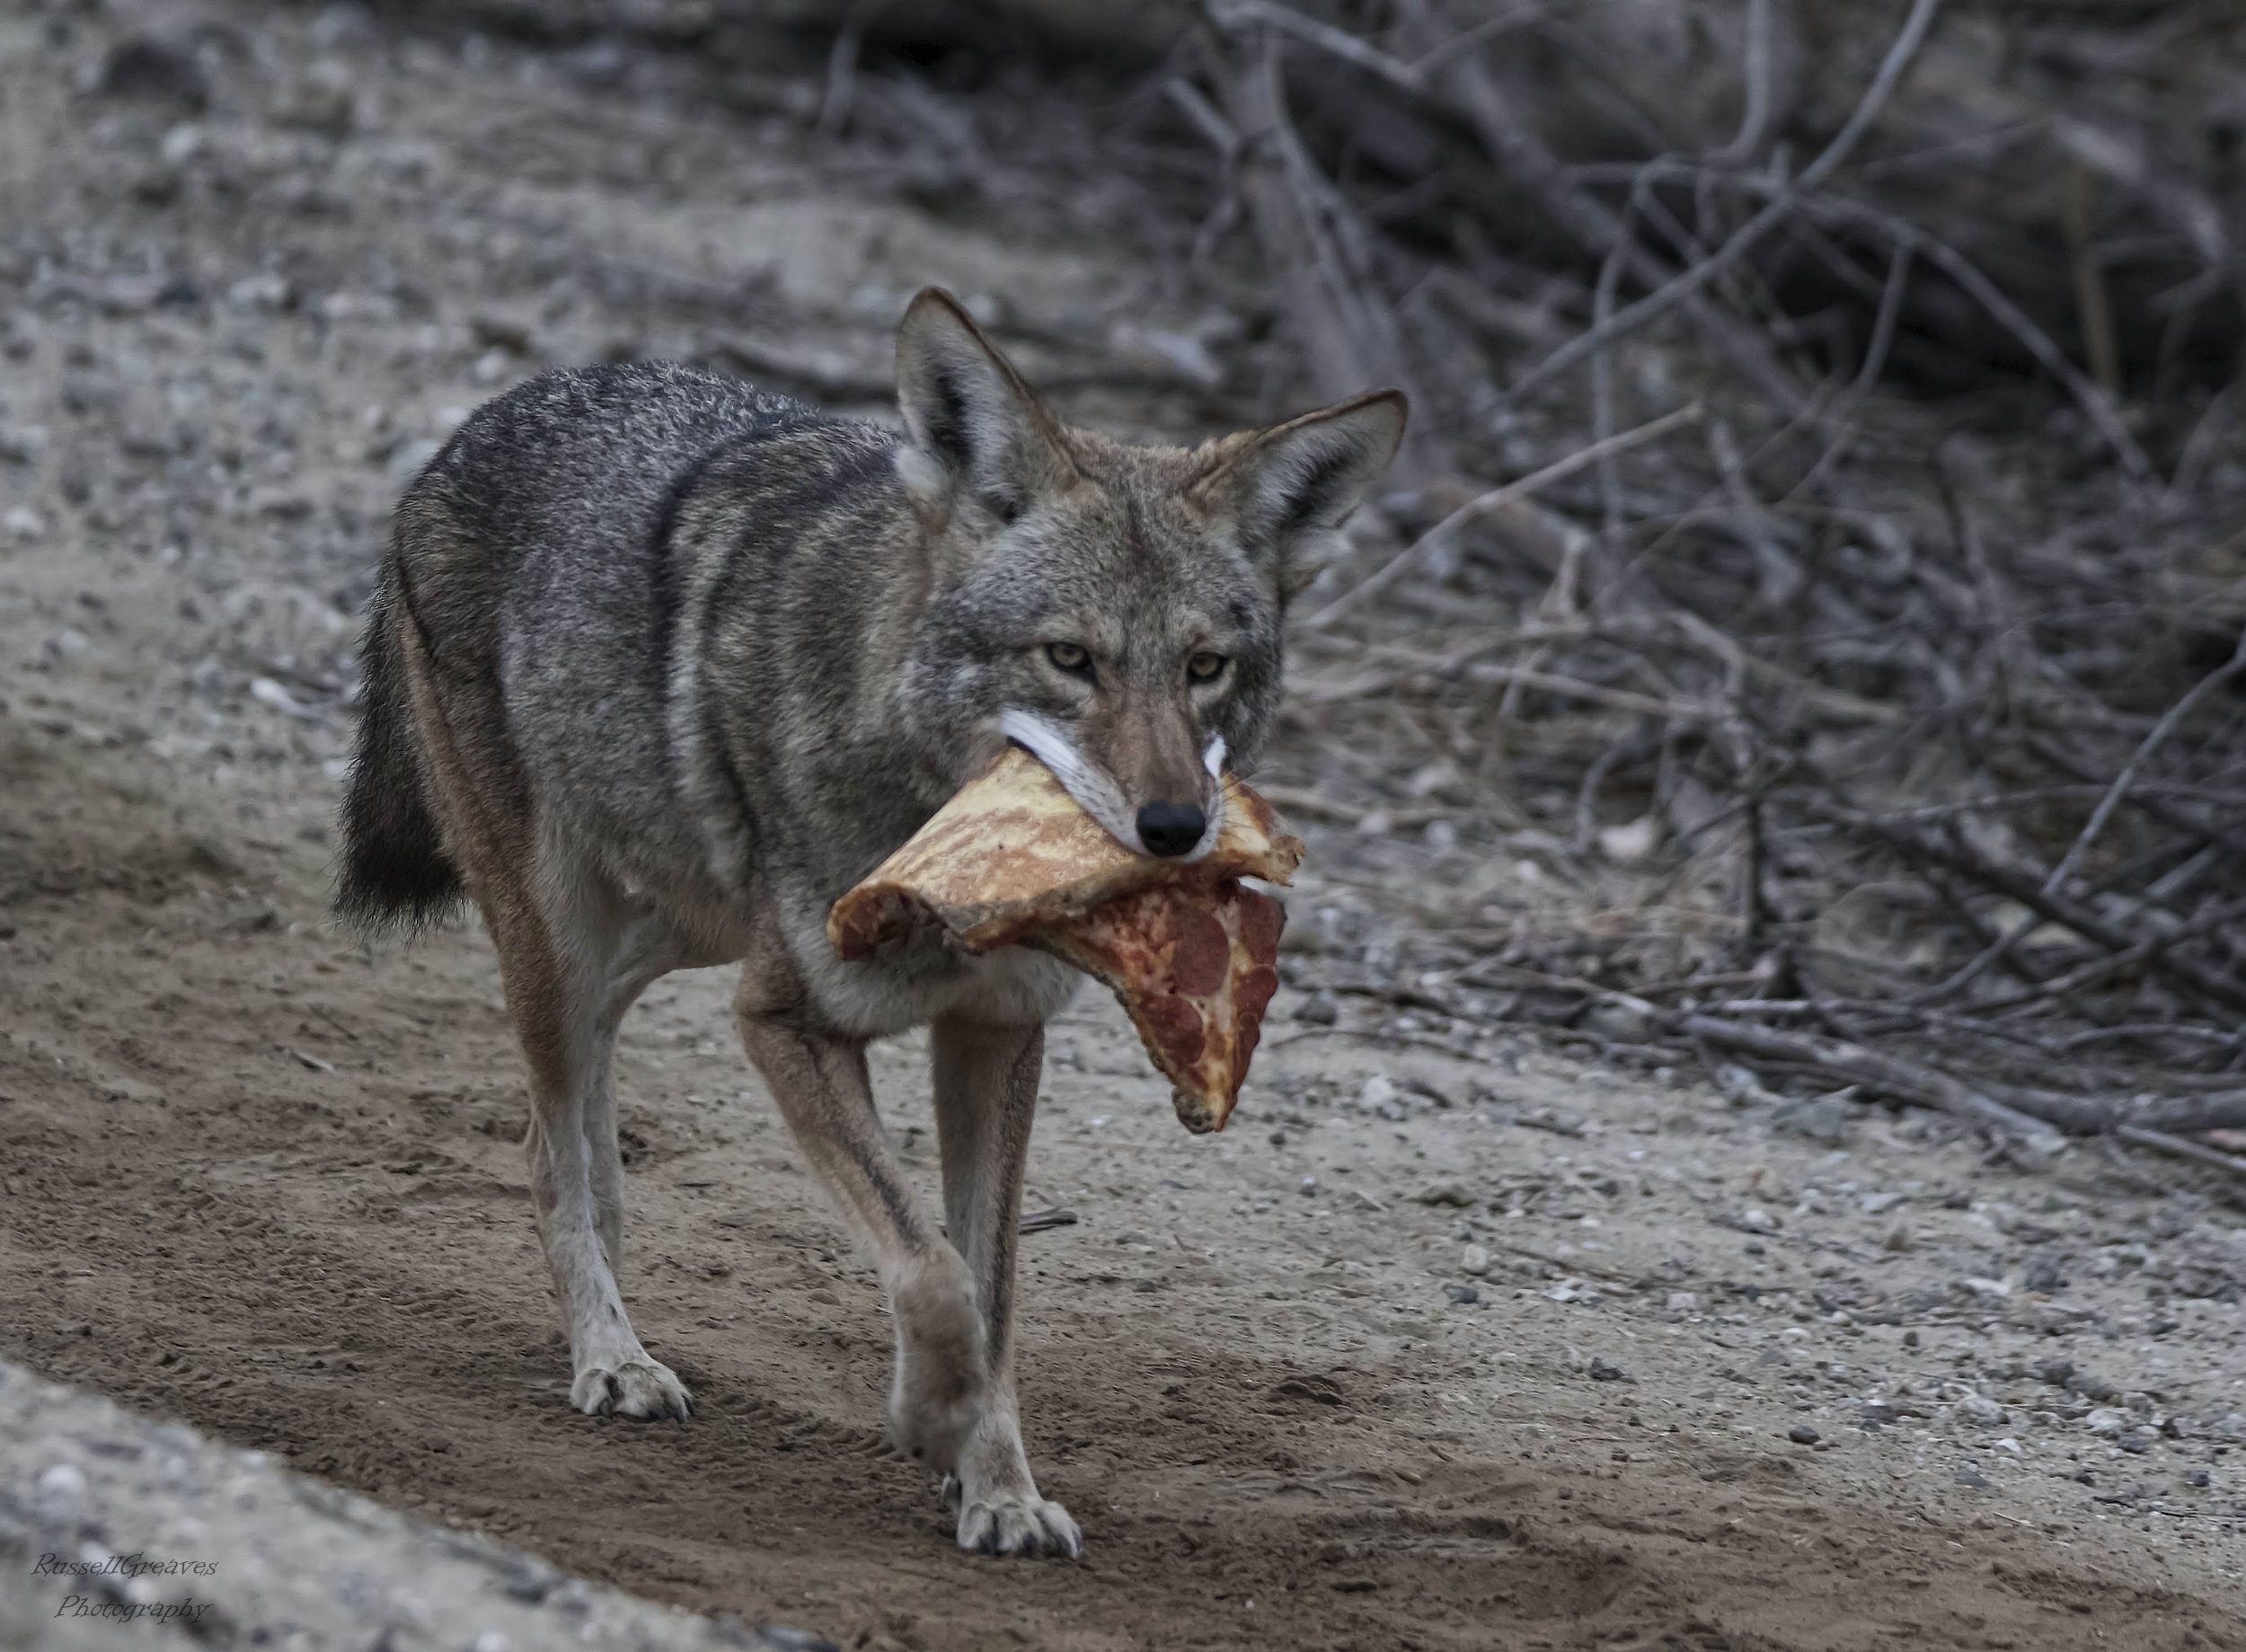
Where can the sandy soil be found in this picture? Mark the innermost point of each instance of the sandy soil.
(1451, 1340)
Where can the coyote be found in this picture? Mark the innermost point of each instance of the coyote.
(660, 664)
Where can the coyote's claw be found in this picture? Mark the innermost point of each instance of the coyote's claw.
(1017, 1524)
(639, 1388)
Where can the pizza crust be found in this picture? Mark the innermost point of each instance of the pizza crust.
(1189, 951)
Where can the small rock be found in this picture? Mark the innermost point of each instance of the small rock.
(149, 66)
(21, 522)
(1976, 1409)
(1307, 1187)
(1618, 1022)
(1824, 1119)
(1601, 1371)
(1461, 1293)
(263, 291)
(1881, 1203)
(2043, 1276)
(1740, 1085)
(1876, 1414)
(2134, 1444)
(1318, 1010)
(1754, 1219)
(320, 100)
(1682, 1302)
(1801, 1433)
(1444, 1193)
(1630, 842)
(1474, 1261)
(1548, 1119)
(1972, 1478)
(2057, 1373)
(2198, 1478)
(1377, 1095)
(2094, 1388)
(60, 1491)
(2107, 1421)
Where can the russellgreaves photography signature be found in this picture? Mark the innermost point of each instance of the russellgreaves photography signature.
(130, 1568)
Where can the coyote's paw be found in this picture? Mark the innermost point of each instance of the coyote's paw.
(638, 1387)
(1018, 1522)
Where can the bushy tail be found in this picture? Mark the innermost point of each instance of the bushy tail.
(393, 873)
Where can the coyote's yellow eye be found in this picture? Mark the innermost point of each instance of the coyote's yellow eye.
(1205, 666)
(1069, 656)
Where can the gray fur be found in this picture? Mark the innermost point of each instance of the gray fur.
(662, 664)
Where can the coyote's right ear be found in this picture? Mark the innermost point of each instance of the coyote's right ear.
(977, 429)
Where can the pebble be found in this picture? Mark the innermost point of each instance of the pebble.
(2197, 1477)
(1618, 1023)
(1972, 1478)
(1319, 1010)
(1976, 1409)
(1754, 1219)
(1601, 1371)
(146, 66)
(1461, 1293)
(1824, 1119)
(1801, 1433)
(1682, 1302)
(1378, 1095)
(1444, 1193)
(60, 1491)
(1474, 1261)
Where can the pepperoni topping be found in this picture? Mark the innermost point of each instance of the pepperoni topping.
(1204, 954)
(1261, 919)
(1253, 993)
(1176, 1026)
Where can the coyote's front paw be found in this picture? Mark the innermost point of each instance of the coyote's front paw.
(1018, 1521)
(640, 1387)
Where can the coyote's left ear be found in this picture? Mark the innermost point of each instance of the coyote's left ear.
(977, 429)
(1288, 489)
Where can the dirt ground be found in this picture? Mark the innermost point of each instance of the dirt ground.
(1452, 1340)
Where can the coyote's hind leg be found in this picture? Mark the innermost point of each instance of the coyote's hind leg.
(573, 958)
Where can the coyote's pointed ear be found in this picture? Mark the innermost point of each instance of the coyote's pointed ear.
(1288, 488)
(977, 429)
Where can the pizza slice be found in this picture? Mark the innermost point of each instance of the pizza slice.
(1190, 951)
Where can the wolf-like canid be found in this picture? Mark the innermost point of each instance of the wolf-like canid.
(660, 664)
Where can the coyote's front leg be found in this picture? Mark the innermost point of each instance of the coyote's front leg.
(951, 1407)
(987, 1093)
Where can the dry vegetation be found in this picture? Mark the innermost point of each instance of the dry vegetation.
(1819, 549)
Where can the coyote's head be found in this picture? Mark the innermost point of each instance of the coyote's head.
(1114, 608)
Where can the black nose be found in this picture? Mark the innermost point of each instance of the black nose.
(1171, 828)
